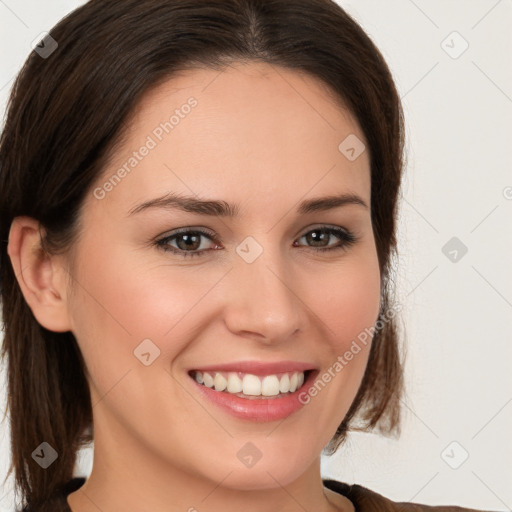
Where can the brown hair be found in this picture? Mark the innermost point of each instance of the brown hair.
(67, 112)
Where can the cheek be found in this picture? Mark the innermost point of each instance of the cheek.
(348, 305)
(120, 301)
(346, 300)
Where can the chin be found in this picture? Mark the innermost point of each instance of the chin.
(263, 478)
(278, 469)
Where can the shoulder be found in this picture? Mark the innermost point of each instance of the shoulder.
(366, 500)
(58, 502)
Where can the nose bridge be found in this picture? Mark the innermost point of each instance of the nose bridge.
(262, 297)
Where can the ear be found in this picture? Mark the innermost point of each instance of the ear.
(41, 277)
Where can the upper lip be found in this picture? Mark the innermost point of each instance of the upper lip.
(259, 367)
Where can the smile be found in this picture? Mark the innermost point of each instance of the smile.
(255, 391)
(247, 385)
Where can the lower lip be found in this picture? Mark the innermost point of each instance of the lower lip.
(258, 409)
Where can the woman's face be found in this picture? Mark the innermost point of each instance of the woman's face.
(254, 287)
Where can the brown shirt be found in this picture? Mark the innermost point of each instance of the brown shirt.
(364, 499)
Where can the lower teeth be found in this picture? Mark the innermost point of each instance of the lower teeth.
(255, 397)
(250, 397)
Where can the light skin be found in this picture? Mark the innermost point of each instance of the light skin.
(266, 139)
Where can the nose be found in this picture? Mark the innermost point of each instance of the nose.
(263, 303)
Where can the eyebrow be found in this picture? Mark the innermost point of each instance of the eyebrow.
(191, 204)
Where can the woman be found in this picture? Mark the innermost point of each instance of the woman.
(199, 202)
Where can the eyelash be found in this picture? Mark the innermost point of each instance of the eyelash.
(348, 239)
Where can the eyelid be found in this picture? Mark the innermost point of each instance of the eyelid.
(189, 229)
(214, 234)
(347, 239)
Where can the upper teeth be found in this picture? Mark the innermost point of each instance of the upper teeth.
(249, 384)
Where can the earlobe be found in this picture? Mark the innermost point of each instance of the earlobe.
(41, 280)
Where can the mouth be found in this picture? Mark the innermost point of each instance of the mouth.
(252, 386)
(255, 391)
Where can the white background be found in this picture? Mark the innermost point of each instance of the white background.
(458, 315)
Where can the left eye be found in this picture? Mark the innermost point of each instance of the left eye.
(188, 241)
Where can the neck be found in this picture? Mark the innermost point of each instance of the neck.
(131, 477)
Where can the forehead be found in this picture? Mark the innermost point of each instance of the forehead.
(252, 129)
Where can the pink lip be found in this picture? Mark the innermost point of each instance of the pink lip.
(259, 409)
(259, 368)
